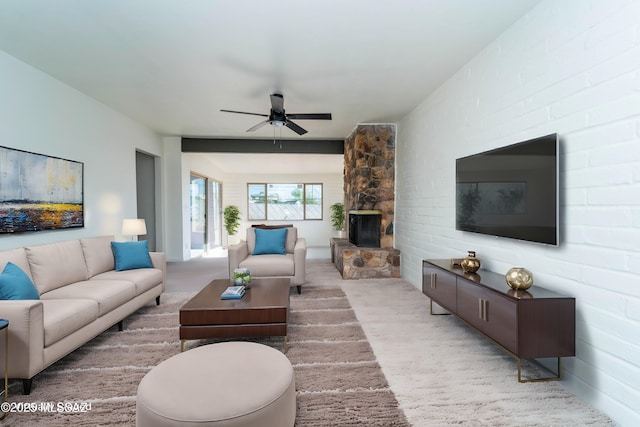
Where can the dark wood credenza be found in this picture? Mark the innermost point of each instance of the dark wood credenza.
(532, 324)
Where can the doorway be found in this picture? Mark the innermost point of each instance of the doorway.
(205, 197)
(146, 195)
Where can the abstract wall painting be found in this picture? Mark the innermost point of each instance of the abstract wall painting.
(39, 192)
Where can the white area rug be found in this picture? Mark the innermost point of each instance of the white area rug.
(444, 373)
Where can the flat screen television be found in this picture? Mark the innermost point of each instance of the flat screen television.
(511, 191)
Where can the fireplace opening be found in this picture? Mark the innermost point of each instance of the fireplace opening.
(364, 228)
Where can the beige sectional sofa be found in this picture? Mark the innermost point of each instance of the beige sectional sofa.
(81, 295)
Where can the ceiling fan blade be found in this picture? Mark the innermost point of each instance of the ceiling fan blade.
(277, 102)
(244, 112)
(294, 127)
(258, 126)
(317, 116)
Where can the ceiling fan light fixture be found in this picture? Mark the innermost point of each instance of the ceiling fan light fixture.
(279, 119)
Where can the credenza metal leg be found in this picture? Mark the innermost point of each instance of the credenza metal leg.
(431, 310)
(532, 380)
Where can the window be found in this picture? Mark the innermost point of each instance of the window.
(284, 201)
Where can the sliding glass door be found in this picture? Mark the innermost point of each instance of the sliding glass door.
(214, 209)
(198, 198)
(206, 215)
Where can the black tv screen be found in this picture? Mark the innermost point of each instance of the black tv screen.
(511, 191)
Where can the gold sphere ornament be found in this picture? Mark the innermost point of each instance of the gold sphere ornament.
(470, 264)
(519, 278)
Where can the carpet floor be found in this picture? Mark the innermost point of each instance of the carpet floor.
(338, 381)
(435, 370)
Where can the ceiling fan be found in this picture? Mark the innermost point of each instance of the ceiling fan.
(277, 117)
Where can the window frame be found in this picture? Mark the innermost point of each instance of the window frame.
(265, 203)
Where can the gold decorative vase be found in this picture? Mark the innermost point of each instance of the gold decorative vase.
(470, 264)
(519, 278)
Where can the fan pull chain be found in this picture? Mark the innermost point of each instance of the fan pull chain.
(274, 136)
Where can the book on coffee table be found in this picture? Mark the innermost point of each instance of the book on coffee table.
(233, 292)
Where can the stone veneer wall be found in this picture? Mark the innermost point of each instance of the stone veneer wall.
(370, 153)
(369, 183)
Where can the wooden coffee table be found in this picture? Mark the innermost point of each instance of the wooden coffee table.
(262, 311)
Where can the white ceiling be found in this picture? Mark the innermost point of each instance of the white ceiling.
(173, 64)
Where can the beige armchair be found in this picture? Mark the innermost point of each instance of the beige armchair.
(288, 265)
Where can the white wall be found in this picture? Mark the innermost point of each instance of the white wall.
(234, 192)
(317, 233)
(43, 115)
(571, 67)
(176, 201)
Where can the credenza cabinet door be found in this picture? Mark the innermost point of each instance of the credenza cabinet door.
(496, 316)
(502, 321)
(440, 286)
(470, 306)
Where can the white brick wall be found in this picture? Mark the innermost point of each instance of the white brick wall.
(571, 67)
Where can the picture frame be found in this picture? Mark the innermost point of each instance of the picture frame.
(39, 192)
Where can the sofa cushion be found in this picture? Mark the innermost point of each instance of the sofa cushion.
(98, 254)
(65, 316)
(269, 265)
(131, 255)
(56, 264)
(251, 239)
(292, 238)
(18, 257)
(270, 241)
(16, 285)
(108, 294)
(143, 278)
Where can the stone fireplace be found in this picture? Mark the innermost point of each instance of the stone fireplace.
(369, 186)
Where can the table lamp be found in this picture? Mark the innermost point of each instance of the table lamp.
(133, 227)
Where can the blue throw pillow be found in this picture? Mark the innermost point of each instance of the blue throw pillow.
(131, 255)
(15, 284)
(270, 241)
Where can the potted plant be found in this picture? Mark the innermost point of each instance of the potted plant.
(337, 217)
(231, 220)
(241, 277)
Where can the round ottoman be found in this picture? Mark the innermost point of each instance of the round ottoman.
(224, 384)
